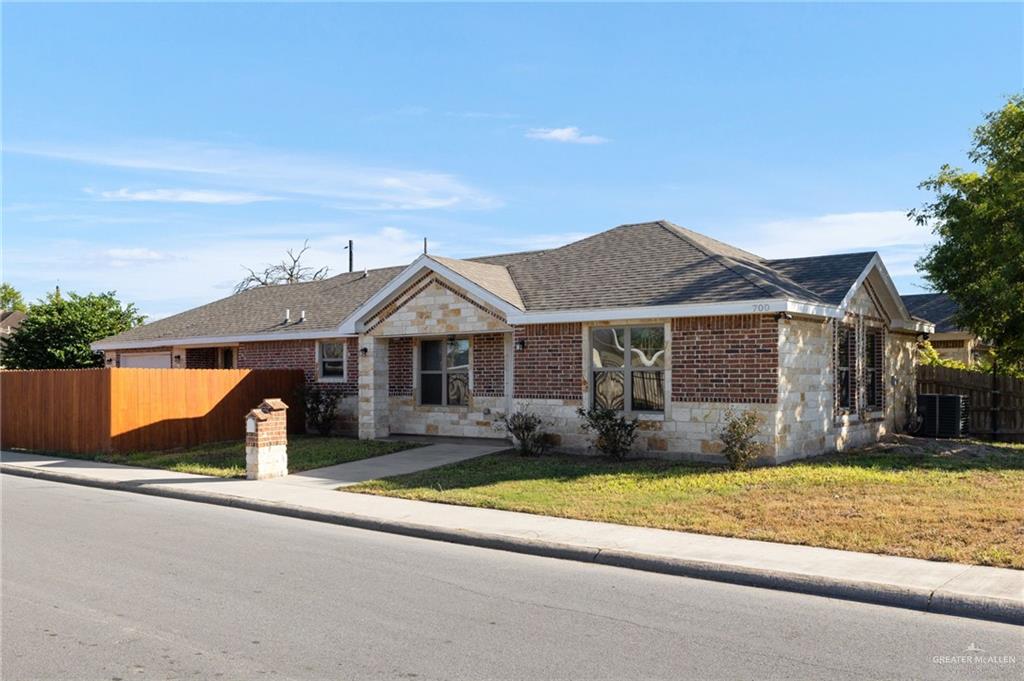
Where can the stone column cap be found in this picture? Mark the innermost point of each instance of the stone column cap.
(272, 404)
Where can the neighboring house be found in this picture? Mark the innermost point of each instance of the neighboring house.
(662, 323)
(949, 340)
(10, 321)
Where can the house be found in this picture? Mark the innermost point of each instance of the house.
(949, 340)
(10, 320)
(665, 324)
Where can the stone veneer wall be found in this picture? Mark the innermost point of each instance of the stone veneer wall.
(432, 306)
(476, 420)
(804, 419)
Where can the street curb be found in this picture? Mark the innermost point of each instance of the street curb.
(937, 601)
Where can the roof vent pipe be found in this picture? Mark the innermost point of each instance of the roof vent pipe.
(287, 315)
(366, 273)
(302, 316)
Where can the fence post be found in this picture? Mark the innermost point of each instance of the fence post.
(995, 398)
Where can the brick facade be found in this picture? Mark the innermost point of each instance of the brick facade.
(488, 368)
(300, 354)
(201, 358)
(550, 365)
(725, 359)
(400, 381)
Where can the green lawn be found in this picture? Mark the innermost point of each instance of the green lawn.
(227, 459)
(955, 501)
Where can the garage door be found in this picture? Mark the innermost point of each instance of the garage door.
(147, 360)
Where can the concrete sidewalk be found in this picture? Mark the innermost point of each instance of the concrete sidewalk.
(948, 588)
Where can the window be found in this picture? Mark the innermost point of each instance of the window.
(444, 372)
(628, 368)
(331, 360)
(874, 386)
(844, 384)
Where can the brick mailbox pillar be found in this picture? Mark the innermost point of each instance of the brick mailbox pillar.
(266, 440)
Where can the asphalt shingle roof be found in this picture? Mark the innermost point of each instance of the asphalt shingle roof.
(830, 276)
(937, 308)
(637, 265)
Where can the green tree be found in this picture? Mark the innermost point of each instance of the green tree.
(978, 216)
(10, 298)
(58, 329)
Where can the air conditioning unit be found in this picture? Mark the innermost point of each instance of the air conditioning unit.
(943, 415)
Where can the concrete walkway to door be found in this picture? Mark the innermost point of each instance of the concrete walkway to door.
(441, 452)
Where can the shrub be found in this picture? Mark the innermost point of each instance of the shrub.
(614, 433)
(738, 435)
(320, 406)
(524, 427)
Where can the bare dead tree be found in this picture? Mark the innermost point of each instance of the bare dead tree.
(289, 271)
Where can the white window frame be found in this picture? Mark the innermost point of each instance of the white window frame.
(320, 377)
(627, 369)
(443, 371)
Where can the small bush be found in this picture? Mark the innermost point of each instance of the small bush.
(614, 433)
(320, 407)
(524, 427)
(738, 435)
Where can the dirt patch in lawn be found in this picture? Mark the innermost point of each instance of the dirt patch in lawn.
(959, 500)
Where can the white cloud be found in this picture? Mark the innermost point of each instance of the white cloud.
(570, 135)
(281, 174)
(128, 257)
(206, 196)
(900, 241)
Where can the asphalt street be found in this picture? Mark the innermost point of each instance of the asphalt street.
(110, 585)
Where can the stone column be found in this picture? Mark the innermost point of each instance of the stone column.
(373, 388)
(266, 441)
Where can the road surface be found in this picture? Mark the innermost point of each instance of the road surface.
(114, 585)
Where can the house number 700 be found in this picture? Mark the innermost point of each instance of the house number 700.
(762, 307)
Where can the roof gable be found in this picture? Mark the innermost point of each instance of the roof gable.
(492, 278)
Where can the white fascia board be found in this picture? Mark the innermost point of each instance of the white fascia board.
(352, 324)
(876, 263)
(213, 341)
(761, 306)
(917, 326)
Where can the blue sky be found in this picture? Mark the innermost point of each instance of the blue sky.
(155, 149)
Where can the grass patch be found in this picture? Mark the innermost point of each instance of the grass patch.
(227, 459)
(939, 500)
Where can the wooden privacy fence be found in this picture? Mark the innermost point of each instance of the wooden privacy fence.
(122, 410)
(1005, 397)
